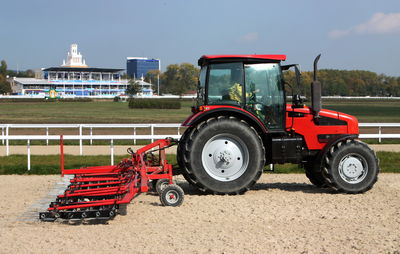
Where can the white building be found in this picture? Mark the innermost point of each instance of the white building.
(74, 58)
(74, 78)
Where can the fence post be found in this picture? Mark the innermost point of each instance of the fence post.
(29, 154)
(7, 141)
(2, 135)
(152, 132)
(134, 134)
(62, 155)
(112, 151)
(179, 130)
(380, 132)
(47, 134)
(80, 140)
(91, 133)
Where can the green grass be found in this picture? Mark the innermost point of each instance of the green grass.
(371, 111)
(88, 112)
(118, 112)
(49, 164)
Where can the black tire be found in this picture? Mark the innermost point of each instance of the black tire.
(237, 167)
(172, 195)
(161, 184)
(152, 185)
(351, 167)
(314, 173)
(123, 209)
(180, 155)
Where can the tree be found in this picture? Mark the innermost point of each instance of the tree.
(3, 68)
(179, 79)
(133, 88)
(5, 86)
(154, 77)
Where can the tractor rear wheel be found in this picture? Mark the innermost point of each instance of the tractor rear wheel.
(181, 150)
(223, 155)
(351, 167)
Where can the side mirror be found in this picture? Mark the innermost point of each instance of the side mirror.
(296, 99)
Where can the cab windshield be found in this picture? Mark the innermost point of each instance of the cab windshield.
(256, 87)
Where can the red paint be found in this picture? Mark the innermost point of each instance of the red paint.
(122, 182)
(306, 126)
(189, 121)
(265, 57)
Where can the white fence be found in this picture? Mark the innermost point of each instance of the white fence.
(5, 137)
(5, 131)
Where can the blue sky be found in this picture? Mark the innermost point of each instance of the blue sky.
(350, 34)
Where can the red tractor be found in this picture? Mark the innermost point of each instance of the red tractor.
(242, 122)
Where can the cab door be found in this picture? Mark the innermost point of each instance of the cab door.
(265, 94)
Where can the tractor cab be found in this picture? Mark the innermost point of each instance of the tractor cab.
(250, 82)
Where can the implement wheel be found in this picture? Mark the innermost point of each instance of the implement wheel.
(351, 167)
(172, 195)
(223, 155)
(161, 184)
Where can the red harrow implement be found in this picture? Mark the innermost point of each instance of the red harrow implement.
(99, 193)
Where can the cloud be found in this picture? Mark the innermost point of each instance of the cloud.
(249, 37)
(379, 23)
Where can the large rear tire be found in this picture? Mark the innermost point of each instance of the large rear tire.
(223, 155)
(180, 156)
(351, 167)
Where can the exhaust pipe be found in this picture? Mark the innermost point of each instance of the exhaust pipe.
(316, 103)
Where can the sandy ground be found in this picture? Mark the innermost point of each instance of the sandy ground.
(121, 150)
(281, 214)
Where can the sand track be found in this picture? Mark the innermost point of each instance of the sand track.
(282, 214)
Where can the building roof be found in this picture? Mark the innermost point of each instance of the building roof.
(80, 69)
(31, 81)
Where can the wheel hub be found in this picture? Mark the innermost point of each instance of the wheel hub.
(353, 168)
(225, 158)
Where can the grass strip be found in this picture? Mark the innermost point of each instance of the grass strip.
(49, 164)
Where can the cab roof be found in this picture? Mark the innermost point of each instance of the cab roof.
(208, 58)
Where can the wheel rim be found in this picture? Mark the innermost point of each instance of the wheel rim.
(172, 196)
(225, 157)
(353, 168)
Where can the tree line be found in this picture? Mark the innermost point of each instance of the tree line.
(348, 83)
(182, 78)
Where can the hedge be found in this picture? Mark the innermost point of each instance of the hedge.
(154, 103)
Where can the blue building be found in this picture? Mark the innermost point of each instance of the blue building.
(137, 67)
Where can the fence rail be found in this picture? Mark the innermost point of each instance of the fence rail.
(5, 130)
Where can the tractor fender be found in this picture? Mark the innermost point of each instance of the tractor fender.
(332, 143)
(226, 111)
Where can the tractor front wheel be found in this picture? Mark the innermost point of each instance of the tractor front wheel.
(351, 167)
(314, 173)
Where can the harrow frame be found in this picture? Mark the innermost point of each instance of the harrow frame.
(101, 192)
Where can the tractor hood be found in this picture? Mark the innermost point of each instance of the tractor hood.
(326, 118)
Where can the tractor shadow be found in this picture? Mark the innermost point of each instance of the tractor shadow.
(190, 190)
(292, 187)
